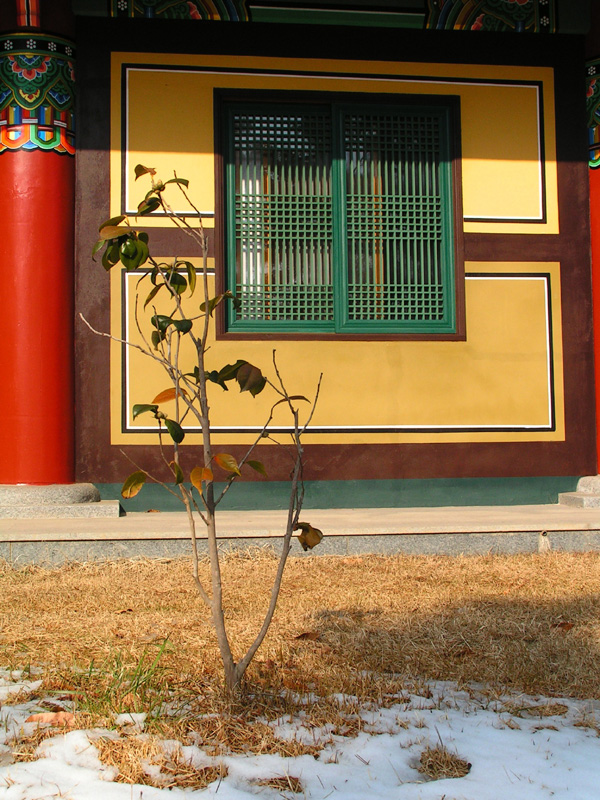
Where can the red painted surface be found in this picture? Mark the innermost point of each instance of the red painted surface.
(595, 228)
(36, 317)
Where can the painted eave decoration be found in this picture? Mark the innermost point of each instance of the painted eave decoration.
(517, 16)
(37, 91)
(223, 10)
(593, 110)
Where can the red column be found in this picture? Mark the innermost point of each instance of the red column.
(36, 317)
(37, 188)
(595, 228)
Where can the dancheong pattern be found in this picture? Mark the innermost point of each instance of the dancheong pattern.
(224, 10)
(531, 16)
(37, 93)
(593, 110)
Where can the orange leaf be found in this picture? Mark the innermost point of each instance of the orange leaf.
(199, 474)
(53, 718)
(227, 462)
(168, 394)
(563, 626)
(312, 636)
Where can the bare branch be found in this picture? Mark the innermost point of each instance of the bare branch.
(120, 341)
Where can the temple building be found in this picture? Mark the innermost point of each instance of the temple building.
(403, 195)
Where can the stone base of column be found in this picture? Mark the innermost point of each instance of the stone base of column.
(55, 501)
(587, 494)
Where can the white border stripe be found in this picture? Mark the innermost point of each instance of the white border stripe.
(376, 78)
(373, 428)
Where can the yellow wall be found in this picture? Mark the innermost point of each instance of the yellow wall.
(509, 370)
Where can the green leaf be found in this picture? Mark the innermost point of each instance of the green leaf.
(140, 170)
(143, 251)
(161, 322)
(112, 221)
(237, 303)
(182, 181)
(175, 430)
(153, 294)
(133, 484)
(128, 248)
(132, 252)
(177, 472)
(230, 371)
(141, 408)
(213, 376)
(148, 206)
(258, 466)
(226, 373)
(176, 282)
(250, 379)
(292, 397)
(213, 303)
(227, 462)
(183, 325)
(143, 237)
(191, 273)
(98, 246)
(114, 232)
(156, 338)
(110, 256)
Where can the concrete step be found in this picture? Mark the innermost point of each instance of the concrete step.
(55, 501)
(579, 499)
(442, 531)
(589, 484)
(96, 509)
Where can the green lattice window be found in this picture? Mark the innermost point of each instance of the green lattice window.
(339, 216)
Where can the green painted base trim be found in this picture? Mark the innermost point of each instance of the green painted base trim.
(315, 16)
(409, 493)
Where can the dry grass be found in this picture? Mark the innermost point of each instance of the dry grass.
(438, 763)
(143, 760)
(286, 783)
(227, 732)
(541, 710)
(24, 749)
(130, 635)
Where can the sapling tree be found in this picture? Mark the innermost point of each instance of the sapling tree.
(170, 336)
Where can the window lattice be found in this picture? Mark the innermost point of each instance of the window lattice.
(394, 217)
(283, 211)
(340, 216)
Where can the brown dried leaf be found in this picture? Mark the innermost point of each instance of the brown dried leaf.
(168, 394)
(563, 626)
(53, 718)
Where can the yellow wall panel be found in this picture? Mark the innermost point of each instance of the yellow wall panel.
(508, 147)
(503, 383)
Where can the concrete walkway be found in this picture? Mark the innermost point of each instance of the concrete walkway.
(449, 530)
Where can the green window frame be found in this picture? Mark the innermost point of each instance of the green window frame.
(340, 215)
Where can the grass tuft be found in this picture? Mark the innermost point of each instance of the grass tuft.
(286, 783)
(438, 763)
(144, 760)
